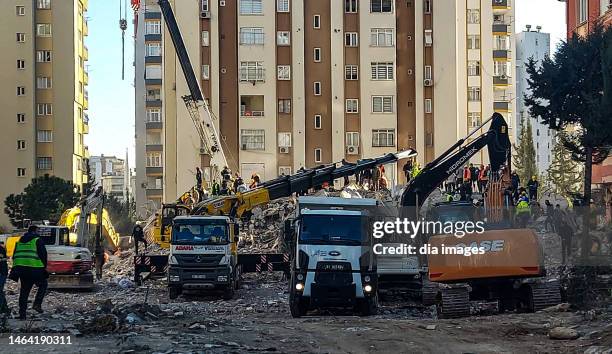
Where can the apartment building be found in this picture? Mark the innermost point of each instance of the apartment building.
(536, 45)
(301, 83)
(43, 92)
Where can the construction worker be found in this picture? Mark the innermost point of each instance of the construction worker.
(255, 180)
(216, 188)
(138, 237)
(198, 179)
(523, 210)
(3, 275)
(29, 263)
(533, 185)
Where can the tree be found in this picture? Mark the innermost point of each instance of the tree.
(573, 93)
(524, 158)
(46, 198)
(90, 187)
(120, 214)
(563, 172)
(13, 208)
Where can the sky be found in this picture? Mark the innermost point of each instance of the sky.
(111, 99)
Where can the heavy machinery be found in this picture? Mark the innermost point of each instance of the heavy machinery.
(511, 271)
(69, 267)
(332, 263)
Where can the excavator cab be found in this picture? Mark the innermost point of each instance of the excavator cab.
(164, 222)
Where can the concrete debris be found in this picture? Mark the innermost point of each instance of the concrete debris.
(100, 324)
(563, 333)
(562, 307)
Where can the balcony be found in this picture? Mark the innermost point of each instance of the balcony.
(154, 125)
(85, 28)
(501, 28)
(154, 147)
(252, 74)
(151, 102)
(86, 78)
(154, 192)
(501, 54)
(501, 106)
(153, 37)
(154, 170)
(85, 124)
(86, 100)
(252, 106)
(153, 59)
(501, 80)
(500, 4)
(85, 53)
(151, 15)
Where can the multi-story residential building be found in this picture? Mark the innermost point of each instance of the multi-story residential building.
(43, 92)
(533, 45)
(110, 173)
(302, 83)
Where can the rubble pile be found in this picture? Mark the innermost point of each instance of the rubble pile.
(263, 232)
(588, 286)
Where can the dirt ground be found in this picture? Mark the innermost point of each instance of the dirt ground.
(258, 320)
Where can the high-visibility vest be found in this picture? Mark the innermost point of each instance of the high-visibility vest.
(522, 207)
(26, 255)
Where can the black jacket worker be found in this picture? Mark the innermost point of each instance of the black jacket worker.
(29, 262)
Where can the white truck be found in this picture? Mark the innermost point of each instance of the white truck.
(332, 263)
(203, 255)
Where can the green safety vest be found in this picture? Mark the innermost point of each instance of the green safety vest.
(523, 207)
(25, 255)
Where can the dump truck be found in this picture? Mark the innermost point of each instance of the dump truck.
(332, 263)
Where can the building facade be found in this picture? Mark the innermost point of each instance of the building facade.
(533, 44)
(43, 92)
(109, 172)
(301, 83)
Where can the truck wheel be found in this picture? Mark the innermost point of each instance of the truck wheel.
(297, 306)
(229, 292)
(369, 306)
(173, 292)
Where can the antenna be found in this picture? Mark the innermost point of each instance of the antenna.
(123, 27)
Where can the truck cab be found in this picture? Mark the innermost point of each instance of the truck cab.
(203, 255)
(332, 264)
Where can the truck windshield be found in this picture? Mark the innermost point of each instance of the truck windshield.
(334, 229)
(200, 234)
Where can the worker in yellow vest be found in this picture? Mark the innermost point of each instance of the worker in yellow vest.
(523, 210)
(29, 263)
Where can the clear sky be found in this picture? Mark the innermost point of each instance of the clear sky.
(111, 100)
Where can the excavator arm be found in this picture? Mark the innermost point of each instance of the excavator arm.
(438, 171)
(239, 204)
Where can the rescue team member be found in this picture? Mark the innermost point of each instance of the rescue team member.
(3, 275)
(29, 263)
(523, 210)
(138, 237)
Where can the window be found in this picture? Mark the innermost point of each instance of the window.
(284, 105)
(43, 29)
(205, 38)
(20, 91)
(284, 139)
(582, 10)
(283, 38)
(501, 42)
(382, 71)
(427, 6)
(44, 109)
(428, 38)
(153, 115)
(154, 159)
(317, 54)
(152, 27)
(153, 49)
(20, 64)
(20, 10)
(284, 72)
(350, 6)
(383, 137)
(427, 72)
(351, 72)
(251, 71)
(284, 170)
(154, 95)
(474, 94)
(43, 4)
(205, 7)
(381, 6)
(153, 72)
(282, 5)
(382, 104)
(473, 68)
(501, 68)
(316, 21)
(20, 117)
(317, 88)
(21, 172)
(318, 121)
(21, 144)
(251, 7)
(251, 36)
(44, 136)
(381, 37)
(43, 56)
(252, 139)
(206, 72)
(474, 119)
(318, 155)
(350, 39)
(473, 16)
(351, 105)
(428, 105)
(352, 138)
(473, 41)
(21, 37)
